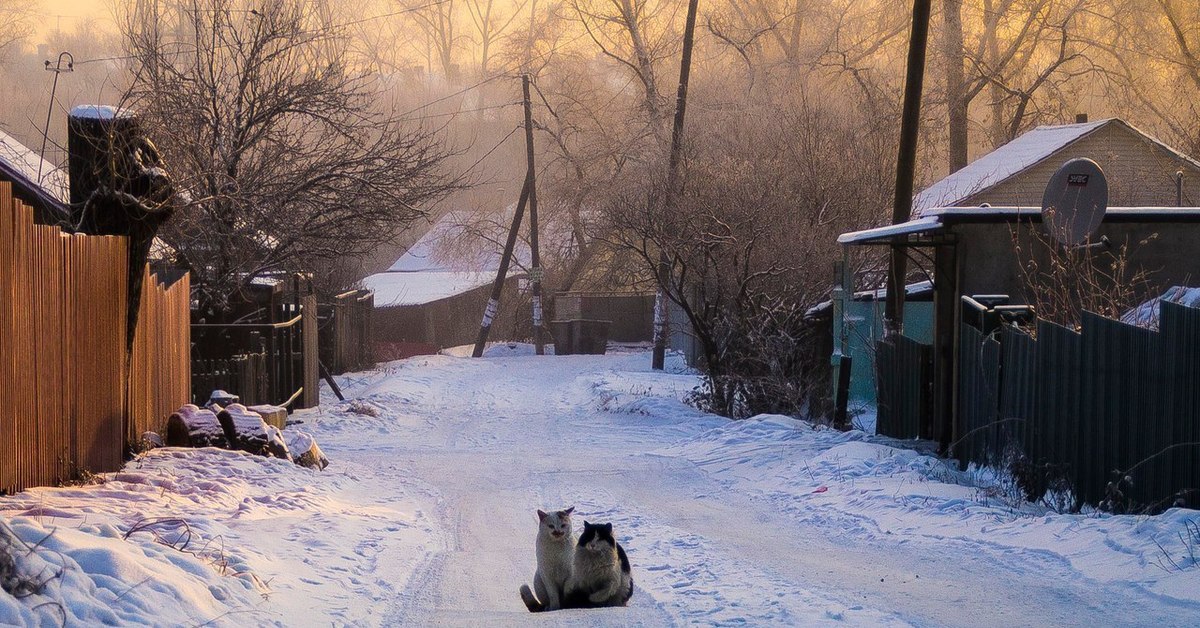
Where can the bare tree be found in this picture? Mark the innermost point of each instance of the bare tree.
(288, 165)
(491, 21)
(16, 23)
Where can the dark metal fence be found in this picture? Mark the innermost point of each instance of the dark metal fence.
(1114, 410)
(905, 381)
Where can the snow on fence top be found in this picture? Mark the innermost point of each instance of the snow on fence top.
(100, 112)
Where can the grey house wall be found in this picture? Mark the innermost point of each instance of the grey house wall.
(990, 262)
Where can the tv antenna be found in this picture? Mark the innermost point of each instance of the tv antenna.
(1075, 201)
(59, 68)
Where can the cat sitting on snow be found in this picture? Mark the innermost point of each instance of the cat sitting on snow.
(555, 549)
(599, 573)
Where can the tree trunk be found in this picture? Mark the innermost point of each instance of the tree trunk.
(956, 99)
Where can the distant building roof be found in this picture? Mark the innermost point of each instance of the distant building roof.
(419, 288)
(440, 265)
(1015, 157)
(435, 251)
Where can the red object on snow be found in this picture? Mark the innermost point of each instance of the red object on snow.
(821, 489)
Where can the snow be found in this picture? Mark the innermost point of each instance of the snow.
(417, 288)
(26, 162)
(433, 268)
(425, 516)
(433, 252)
(99, 112)
(919, 225)
(1146, 314)
(1002, 163)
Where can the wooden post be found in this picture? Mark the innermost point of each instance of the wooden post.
(535, 273)
(945, 345)
(493, 304)
(906, 163)
(662, 326)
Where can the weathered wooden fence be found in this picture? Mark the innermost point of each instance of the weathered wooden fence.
(244, 375)
(345, 332)
(1113, 409)
(69, 399)
(286, 374)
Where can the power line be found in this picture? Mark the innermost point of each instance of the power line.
(494, 148)
(458, 112)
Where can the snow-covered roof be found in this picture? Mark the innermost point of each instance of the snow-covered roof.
(418, 288)
(433, 252)
(1006, 161)
(25, 162)
(441, 265)
(886, 232)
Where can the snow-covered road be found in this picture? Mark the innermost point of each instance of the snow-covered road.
(426, 516)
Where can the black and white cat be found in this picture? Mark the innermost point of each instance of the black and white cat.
(600, 571)
(555, 549)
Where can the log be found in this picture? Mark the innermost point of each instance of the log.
(246, 431)
(273, 415)
(305, 451)
(192, 426)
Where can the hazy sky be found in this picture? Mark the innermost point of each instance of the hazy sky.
(67, 14)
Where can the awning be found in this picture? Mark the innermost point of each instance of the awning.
(892, 234)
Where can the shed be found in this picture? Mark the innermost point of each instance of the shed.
(434, 295)
(977, 220)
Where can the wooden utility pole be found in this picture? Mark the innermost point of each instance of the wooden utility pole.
(906, 164)
(674, 189)
(493, 304)
(535, 271)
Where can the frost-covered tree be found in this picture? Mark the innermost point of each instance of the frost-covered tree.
(291, 163)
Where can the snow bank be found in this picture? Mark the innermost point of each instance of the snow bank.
(182, 537)
(853, 482)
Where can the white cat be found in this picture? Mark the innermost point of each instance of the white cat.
(555, 548)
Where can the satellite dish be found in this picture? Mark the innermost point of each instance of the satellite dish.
(1075, 201)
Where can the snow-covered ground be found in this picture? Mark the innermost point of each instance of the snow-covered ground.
(426, 517)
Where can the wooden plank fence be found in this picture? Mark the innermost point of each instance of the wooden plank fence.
(160, 367)
(69, 400)
(345, 333)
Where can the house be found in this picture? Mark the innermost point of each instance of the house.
(1141, 170)
(434, 295)
(981, 225)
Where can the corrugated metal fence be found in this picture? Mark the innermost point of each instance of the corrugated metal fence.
(69, 401)
(905, 381)
(1114, 409)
